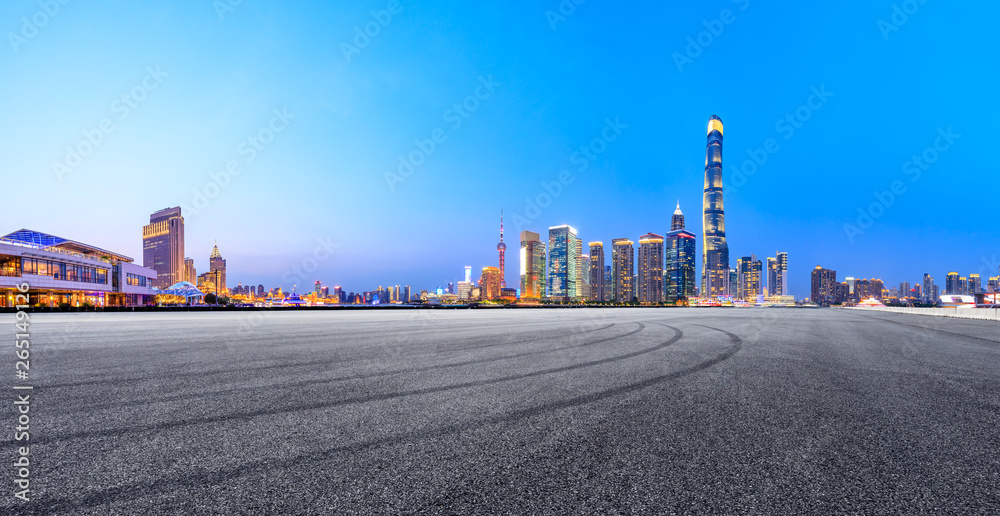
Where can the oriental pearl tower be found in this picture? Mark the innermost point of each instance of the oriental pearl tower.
(502, 248)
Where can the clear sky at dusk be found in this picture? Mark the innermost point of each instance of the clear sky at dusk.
(317, 119)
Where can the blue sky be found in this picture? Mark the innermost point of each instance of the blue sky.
(203, 84)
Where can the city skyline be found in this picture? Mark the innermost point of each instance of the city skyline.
(335, 127)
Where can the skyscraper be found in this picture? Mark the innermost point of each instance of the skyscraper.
(677, 220)
(491, 283)
(190, 273)
(772, 275)
(163, 247)
(609, 283)
(928, 290)
(583, 277)
(468, 273)
(561, 281)
(680, 259)
(532, 266)
(975, 284)
(650, 268)
(824, 286)
(749, 271)
(622, 256)
(597, 271)
(715, 252)
(782, 284)
(951, 284)
(502, 249)
(217, 265)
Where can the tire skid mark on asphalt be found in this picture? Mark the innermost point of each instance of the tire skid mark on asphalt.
(209, 477)
(285, 365)
(361, 399)
(320, 381)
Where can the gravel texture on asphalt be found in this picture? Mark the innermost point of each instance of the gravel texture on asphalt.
(547, 411)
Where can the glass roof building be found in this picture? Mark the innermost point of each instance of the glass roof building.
(61, 271)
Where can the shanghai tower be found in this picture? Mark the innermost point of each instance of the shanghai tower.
(715, 251)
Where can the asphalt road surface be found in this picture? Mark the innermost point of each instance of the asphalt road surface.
(558, 411)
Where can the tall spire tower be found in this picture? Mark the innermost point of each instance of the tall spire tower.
(502, 248)
(715, 250)
(677, 221)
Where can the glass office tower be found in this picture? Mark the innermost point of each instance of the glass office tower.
(715, 252)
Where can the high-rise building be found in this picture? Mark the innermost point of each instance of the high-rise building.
(677, 219)
(609, 284)
(583, 277)
(532, 266)
(733, 282)
(324, 293)
(715, 252)
(491, 283)
(502, 249)
(650, 273)
(318, 288)
(163, 247)
(596, 271)
(218, 265)
(190, 273)
(928, 290)
(562, 274)
(679, 267)
(993, 285)
(824, 286)
(975, 284)
(772, 275)
(951, 286)
(749, 272)
(780, 288)
(406, 294)
(622, 256)
(876, 288)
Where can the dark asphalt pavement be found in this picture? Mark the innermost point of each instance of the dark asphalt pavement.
(563, 411)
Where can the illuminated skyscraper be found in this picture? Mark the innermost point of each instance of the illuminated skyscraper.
(163, 247)
(502, 249)
(622, 256)
(583, 277)
(782, 285)
(772, 275)
(975, 284)
(749, 269)
(490, 283)
(597, 271)
(677, 220)
(680, 258)
(217, 265)
(190, 273)
(951, 284)
(928, 290)
(468, 273)
(824, 286)
(715, 252)
(650, 283)
(562, 263)
(532, 266)
(609, 283)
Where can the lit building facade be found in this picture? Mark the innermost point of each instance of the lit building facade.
(609, 282)
(975, 284)
(490, 283)
(650, 272)
(680, 260)
(217, 265)
(596, 271)
(824, 286)
(190, 273)
(749, 284)
(622, 266)
(502, 251)
(532, 266)
(163, 246)
(60, 271)
(951, 286)
(715, 252)
(562, 270)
